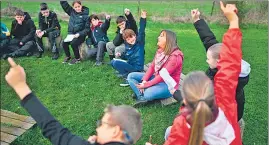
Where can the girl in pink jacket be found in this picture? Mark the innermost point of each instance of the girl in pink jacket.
(149, 86)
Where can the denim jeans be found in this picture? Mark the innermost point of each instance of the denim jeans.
(122, 67)
(157, 91)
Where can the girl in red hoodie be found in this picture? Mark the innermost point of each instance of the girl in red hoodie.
(209, 115)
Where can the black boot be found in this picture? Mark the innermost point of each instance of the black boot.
(55, 56)
(111, 57)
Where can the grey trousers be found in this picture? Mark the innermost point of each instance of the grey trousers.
(112, 49)
(98, 51)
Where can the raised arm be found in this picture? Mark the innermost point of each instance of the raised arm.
(206, 35)
(131, 20)
(105, 26)
(66, 7)
(229, 67)
(142, 27)
(50, 127)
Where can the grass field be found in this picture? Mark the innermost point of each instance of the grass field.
(76, 95)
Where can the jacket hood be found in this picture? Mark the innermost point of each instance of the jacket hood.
(85, 10)
(99, 24)
(219, 132)
(27, 16)
(245, 69)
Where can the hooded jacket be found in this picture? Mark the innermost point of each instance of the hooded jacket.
(78, 22)
(50, 23)
(26, 31)
(99, 33)
(218, 132)
(134, 54)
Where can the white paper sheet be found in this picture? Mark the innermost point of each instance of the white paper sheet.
(69, 38)
(171, 83)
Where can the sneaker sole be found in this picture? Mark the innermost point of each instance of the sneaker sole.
(124, 85)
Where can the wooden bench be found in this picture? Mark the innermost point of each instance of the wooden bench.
(13, 125)
(169, 100)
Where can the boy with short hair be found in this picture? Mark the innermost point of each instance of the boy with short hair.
(134, 51)
(23, 31)
(117, 45)
(49, 26)
(98, 38)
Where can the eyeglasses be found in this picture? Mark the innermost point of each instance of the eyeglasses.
(100, 123)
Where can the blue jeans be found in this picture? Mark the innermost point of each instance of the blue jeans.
(122, 67)
(157, 91)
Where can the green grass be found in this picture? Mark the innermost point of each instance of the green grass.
(76, 95)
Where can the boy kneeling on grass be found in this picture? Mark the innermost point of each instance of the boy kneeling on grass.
(113, 129)
(134, 51)
(98, 38)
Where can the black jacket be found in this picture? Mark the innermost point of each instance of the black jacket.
(130, 24)
(26, 31)
(78, 21)
(50, 127)
(208, 39)
(99, 33)
(50, 23)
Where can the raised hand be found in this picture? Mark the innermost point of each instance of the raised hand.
(230, 11)
(195, 14)
(16, 78)
(143, 14)
(127, 11)
(108, 17)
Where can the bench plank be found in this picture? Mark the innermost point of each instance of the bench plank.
(17, 116)
(12, 130)
(16, 123)
(3, 143)
(7, 137)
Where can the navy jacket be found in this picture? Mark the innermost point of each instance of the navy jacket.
(78, 22)
(135, 54)
(98, 33)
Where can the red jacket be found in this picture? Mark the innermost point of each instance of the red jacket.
(173, 66)
(225, 83)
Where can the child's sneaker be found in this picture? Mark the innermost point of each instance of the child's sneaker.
(98, 63)
(125, 84)
(66, 59)
(74, 61)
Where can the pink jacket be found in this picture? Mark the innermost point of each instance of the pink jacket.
(173, 66)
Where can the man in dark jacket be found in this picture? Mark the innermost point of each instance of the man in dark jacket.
(48, 27)
(98, 38)
(23, 30)
(117, 45)
(120, 125)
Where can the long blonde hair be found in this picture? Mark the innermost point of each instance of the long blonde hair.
(198, 92)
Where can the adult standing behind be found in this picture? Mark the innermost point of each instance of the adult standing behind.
(117, 45)
(150, 85)
(49, 26)
(78, 27)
